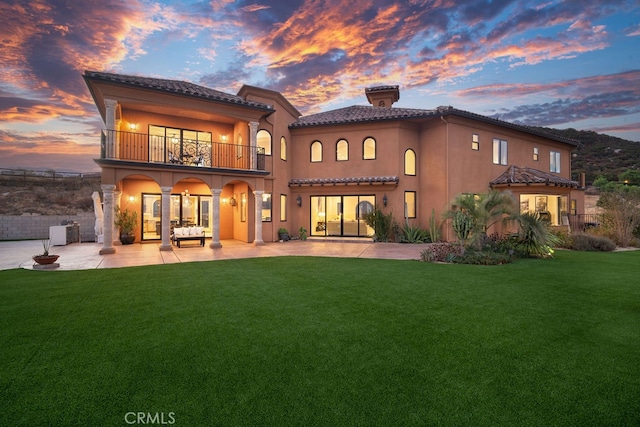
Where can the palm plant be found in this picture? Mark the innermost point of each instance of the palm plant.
(535, 238)
(482, 212)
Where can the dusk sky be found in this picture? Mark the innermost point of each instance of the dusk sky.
(545, 63)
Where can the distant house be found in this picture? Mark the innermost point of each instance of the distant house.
(242, 166)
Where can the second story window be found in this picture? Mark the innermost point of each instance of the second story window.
(283, 148)
(264, 141)
(475, 142)
(536, 154)
(554, 163)
(316, 151)
(409, 162)
(342, 150)
(369, 149)
(499, 151)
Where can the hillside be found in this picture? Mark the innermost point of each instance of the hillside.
(25, 192)
(600, 154)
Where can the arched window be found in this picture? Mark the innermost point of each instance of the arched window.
(316, 151)
(342, 150)
(369, 149)
(409, 162)
(264, 141)
(283, 148)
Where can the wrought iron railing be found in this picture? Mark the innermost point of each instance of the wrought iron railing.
(582, 222)
(140, 147)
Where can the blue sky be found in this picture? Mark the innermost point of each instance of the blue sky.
(545, 63)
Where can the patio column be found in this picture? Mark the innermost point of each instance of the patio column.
(117, 195)
(166, 219)
(253, 143)
(110, 123)
(107, 198)
(215, 227)
(258, 240)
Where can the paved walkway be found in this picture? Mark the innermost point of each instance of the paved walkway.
(82, 256)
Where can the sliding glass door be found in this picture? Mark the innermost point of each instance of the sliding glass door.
(341, 216)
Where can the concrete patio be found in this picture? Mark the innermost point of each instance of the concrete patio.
(82, 256)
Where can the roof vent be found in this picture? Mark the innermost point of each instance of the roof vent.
(382, 96)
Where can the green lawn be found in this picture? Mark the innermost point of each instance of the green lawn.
(325, 341)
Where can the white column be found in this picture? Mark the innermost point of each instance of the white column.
(253, 143)
(117, 195)
(107, 197)
(258, 239)
(166, 219)
(110, 124)
(215, 227)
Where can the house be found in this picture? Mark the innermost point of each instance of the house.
(242, 166)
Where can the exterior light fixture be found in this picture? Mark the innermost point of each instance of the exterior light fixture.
(223, 138)
(132, 126)
(299, 201)
(384, 200)
(232, 201)
(132, 199)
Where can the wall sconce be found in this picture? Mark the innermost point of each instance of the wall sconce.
(299, 201)
(223, 138)
(132, 126)
(384, 200)
(232, 201)
(132, 199)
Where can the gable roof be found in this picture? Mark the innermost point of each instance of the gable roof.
(515, 175)
(365, 114)
(174, 87)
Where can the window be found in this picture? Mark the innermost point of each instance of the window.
(316, 151)
(283, 207)
(342, 150)
(554, 163)
(475, 142)
(369, 149)
(574, 207)
(409, 204)
(409, 162)
(499, 151)
(266, 207)
(264, 141)
(283, 148)
(536, 154)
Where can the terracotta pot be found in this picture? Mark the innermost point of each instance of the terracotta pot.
(46, 259)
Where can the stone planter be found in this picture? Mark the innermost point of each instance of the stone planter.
(45, 259)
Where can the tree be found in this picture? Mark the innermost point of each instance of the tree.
(630, 177)
(621, 216)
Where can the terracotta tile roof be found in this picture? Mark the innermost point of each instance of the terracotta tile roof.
(360, 114)
(176, 87)
(370, 180)
(364, 114)
(515, 175)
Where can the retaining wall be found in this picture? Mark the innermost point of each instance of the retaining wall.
(37, 226)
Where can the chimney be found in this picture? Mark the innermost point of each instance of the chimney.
(583, 180)
(382, 96)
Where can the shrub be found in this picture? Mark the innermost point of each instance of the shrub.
(441, 252)
(483, 258)
(562, 236)
(535, 237)
(588, 242)
(382, 224)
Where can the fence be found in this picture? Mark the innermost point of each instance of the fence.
(582, 222)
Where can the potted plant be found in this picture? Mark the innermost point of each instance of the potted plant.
(303, 233)
(283, 234)
(45, 258)
(126, 221)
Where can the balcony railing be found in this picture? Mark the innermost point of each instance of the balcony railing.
(140, 147)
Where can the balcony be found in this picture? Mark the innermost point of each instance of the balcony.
(152, 149)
